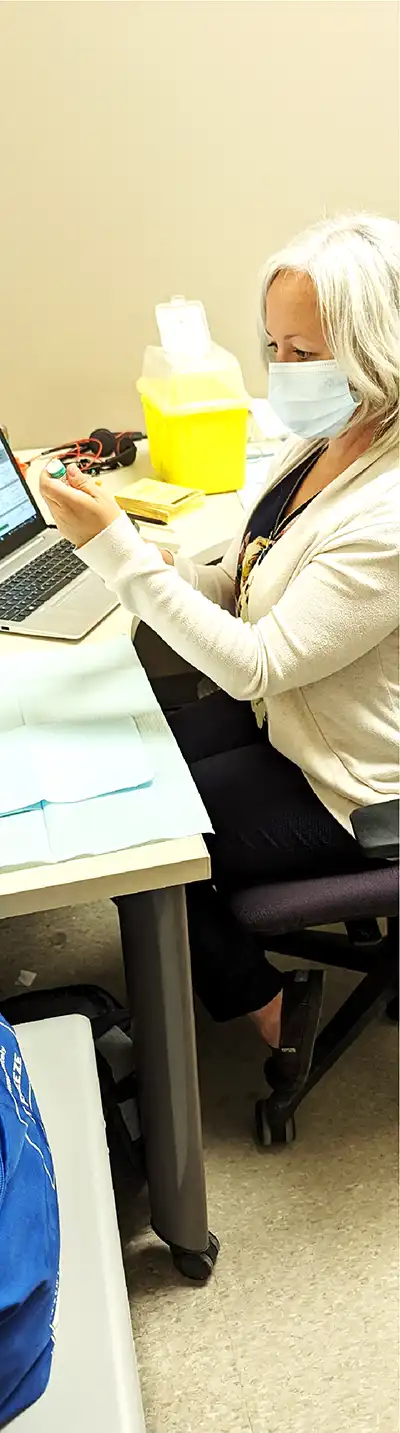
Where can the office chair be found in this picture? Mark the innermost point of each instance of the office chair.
(283, 916)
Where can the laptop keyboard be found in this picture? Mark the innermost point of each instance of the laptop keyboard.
(29, 588)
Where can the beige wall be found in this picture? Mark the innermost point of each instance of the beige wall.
(160, 147)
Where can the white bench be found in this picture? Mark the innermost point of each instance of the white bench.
(94, 1381)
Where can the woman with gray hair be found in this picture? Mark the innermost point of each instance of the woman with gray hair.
(297, 626)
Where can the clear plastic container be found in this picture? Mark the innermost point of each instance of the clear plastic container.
(196, 412)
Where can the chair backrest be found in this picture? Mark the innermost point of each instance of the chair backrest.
(376, 829)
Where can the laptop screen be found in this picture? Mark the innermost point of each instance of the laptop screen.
(20, 519)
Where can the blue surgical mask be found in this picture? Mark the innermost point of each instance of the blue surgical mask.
(313, 400)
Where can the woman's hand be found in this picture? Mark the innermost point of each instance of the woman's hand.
(80, 507)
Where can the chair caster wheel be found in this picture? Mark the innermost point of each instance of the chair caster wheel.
(273, 1129)
(194, 1265)
(392, 1009)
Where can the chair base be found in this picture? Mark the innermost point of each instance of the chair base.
(376, 994)
(272, 1128)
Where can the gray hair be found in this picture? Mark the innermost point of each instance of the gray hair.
(354, 262)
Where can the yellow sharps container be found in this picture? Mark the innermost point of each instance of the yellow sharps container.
(196, 412)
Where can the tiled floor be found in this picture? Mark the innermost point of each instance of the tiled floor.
(297, 1330)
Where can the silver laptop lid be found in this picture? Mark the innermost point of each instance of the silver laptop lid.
(20, 517)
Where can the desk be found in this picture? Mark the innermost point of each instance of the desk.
(155, 950)
(157, 965)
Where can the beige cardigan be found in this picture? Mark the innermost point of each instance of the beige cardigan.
(320, 649)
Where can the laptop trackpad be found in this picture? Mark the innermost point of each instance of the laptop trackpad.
(73, 613)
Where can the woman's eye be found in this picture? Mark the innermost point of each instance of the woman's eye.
(301, 353)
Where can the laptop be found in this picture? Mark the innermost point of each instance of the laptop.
(45, 589)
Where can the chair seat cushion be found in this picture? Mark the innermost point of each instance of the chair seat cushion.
(292, 905)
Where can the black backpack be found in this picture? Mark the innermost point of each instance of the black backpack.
(111, 1027)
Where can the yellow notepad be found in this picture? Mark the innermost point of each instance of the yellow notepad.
(162, 502)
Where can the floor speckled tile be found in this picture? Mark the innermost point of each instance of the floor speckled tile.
(296, 1331)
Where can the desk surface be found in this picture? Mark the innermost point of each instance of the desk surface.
(206, 533)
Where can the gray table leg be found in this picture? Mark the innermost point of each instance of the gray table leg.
(157, 964)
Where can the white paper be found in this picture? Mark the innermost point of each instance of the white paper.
(26, 978)
(72, 685)
(24, 840)
(83, 760)
(169, 807)
(70, 762)
(18, 781)
(10, 711)
(72, 735)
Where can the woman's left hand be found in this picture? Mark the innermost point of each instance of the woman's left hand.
(80, 507)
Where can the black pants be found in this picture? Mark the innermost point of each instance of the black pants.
(268, 825)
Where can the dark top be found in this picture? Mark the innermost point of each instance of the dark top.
(267, 523)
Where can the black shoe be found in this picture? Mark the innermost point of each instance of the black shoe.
(288, 1068)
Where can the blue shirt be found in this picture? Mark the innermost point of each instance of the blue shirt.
(29, 1237)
